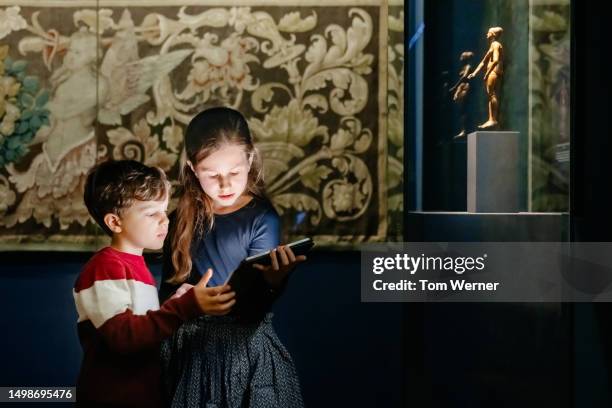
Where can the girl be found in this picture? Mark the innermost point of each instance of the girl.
(221, 359)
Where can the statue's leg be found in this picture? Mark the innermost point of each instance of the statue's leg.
(461, 106)
(493, 103)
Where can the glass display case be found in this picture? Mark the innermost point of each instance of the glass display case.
(488, 159)
(489, 106)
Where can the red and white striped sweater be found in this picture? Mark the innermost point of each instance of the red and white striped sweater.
(120, 328)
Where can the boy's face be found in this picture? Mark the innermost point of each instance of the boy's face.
(143, 225)
(223, 175)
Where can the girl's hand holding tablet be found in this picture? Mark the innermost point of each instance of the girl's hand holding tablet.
(283, 261)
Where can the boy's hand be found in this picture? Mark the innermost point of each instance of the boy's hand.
(276, 272)
(182, 290)
(218, 300)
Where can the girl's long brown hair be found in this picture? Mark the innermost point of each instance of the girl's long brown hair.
(208, 131)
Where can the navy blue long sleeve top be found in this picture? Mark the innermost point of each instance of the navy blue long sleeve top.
(250, 230)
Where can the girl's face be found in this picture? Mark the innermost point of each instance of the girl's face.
(223, 175)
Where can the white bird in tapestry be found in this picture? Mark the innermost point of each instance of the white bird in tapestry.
(130, 76)
(80, 93)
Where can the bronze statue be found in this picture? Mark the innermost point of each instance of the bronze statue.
(461, 88)
(493, 59)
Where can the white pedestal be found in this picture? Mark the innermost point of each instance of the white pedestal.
(493, 174)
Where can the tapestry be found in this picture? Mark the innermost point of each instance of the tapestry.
(395, 122)
(86, 81)
(549, 104)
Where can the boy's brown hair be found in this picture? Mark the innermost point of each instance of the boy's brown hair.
(114, 185)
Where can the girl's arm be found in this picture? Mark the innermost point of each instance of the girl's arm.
(275, 276)
(265, 236)
(266, 233)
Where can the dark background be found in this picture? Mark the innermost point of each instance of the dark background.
(347, 353)
(517, 355)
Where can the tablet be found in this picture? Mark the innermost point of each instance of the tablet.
(298, 247)
(245, 275)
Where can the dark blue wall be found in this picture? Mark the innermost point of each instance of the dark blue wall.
(347, 353)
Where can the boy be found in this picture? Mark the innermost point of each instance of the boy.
(121, 324)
